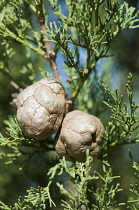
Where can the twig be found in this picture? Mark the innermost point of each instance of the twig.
(24, 42)
(16, 86)
(51, 54)
(5, 71)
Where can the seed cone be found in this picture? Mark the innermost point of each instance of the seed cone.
(40, 109)
(80, 131)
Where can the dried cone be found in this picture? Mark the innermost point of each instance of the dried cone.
(40, 108)
(80, 131)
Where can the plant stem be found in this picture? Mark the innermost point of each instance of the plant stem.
(25, 43)
(5, 72)
(96, 13)
(51, 54)
(83, 79)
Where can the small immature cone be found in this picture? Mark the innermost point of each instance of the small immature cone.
(80, 131)
(40, 109)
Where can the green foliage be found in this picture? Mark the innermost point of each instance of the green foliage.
(17, 143)
(124, 123)
(105, 196)
(80, 176)
(83, 36)
(83, 29)
(91, 102)
(16, 29)
(12, 15)
(35, 199)
(134, 187)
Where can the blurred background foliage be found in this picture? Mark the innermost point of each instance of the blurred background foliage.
(23, 68)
